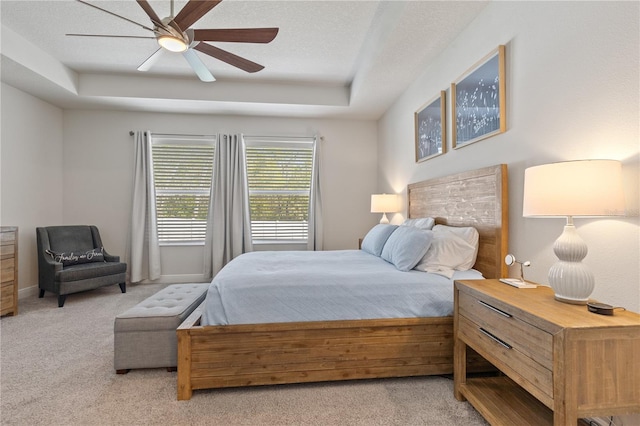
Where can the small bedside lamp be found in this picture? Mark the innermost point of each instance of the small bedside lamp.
(384, 203)
(573, 188)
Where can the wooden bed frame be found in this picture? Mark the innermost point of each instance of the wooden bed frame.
(265, 354)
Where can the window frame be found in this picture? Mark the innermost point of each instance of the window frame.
(307, 143)
(177, 140)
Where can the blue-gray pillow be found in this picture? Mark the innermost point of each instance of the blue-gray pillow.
(406, 247)
(374, 240)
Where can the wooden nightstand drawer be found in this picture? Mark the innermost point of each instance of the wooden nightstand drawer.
(532, 376)
(498, 318)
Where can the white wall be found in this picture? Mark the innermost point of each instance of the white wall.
(76, 167)
(31, 177)
(572, 93)
(98, 170)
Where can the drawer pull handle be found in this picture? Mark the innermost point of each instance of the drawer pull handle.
(495, 339)
(496, 310)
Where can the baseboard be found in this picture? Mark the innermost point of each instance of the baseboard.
(28, 292)
(164, 279)
(178, 279)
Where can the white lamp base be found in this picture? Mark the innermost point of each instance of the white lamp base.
(384, 218)
(569, 278)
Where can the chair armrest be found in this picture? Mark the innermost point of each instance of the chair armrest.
(51, 266)
(109, 257)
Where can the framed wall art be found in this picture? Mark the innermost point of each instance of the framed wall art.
(430, 128)
(478, 101)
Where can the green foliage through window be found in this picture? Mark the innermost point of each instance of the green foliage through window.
(182, 174)
(279, 180)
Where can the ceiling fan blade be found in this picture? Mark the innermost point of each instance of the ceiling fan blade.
(108, 35)
(151, 60)
(237, 35)
(150, 12)
(230, 58)
(198, 66)
(193, 11)
(117, 16)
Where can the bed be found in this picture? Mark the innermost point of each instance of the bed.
(265, 353)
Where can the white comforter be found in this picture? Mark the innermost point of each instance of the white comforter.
(264, 287)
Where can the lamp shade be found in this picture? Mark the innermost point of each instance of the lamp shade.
(384, 203)
(574, 188)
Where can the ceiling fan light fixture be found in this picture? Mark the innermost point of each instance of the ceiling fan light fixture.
(171, 43)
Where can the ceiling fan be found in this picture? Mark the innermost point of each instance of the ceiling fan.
(174, 34)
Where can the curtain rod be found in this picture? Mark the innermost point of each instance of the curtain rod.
(283, 137)
(131, 133)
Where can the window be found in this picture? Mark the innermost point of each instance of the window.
(279, 181)
(182, 169)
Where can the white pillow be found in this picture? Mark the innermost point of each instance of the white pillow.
(375, 239)
(452, 249)
(421, 223)
(406, 246)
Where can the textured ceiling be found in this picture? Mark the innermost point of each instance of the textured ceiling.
(330, 58)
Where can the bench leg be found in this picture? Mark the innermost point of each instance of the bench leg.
(41, 294)
(61, 299)
(123, 287)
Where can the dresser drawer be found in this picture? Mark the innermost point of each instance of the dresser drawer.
(7, 270)
(7, 251)
(7, 238)
(6, 296)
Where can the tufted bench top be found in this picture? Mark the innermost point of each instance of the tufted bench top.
(165, 310)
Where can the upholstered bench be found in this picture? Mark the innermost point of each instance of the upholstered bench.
(145, 335)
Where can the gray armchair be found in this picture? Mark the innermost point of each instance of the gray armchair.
(72, 259)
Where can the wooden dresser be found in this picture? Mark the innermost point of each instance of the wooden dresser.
(9, 270)
(560, 362)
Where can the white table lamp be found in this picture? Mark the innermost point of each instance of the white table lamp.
(568, 189)
(384, 203)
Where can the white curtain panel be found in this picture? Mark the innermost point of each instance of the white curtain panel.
(143, 249)
(315, 240)
(228, 222)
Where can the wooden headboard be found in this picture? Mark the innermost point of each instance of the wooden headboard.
(477, 198)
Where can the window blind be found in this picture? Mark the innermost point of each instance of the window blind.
(182, 173)
(279, 181)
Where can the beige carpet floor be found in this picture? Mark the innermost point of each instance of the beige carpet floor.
(56, 368)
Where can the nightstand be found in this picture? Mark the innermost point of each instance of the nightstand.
(560, 362)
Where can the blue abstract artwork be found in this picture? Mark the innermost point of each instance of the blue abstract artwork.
(430, 130)
(479, 109)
